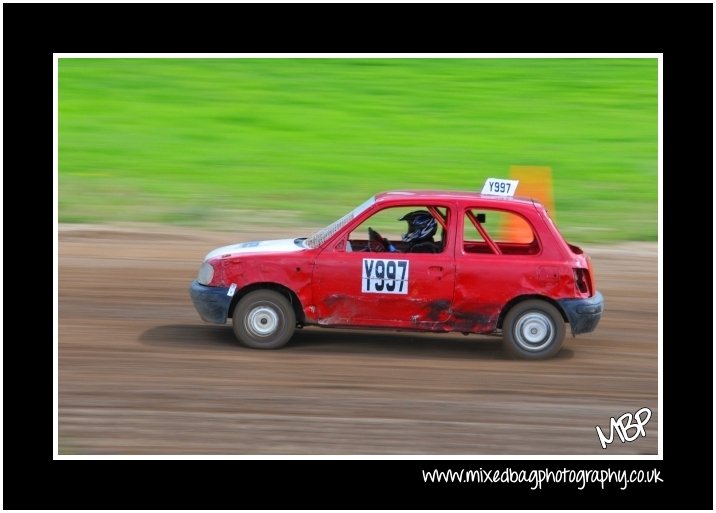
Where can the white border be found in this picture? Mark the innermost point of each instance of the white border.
(660, 256)
(389, 55)
(596, 457)
(356, 1)
(55, 260)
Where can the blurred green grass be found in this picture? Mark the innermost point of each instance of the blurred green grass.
(227, 143)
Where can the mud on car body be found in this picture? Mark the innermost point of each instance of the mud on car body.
(468, 262)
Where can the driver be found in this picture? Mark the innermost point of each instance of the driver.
(421, 228)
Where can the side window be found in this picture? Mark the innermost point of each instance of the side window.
(498, 231)
(414, 229)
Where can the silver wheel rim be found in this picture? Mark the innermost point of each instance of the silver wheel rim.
(534, 331)
(262, 321)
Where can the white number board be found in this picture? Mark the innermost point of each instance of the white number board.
(500, 187)
(383, 276)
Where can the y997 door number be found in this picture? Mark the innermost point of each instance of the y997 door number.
(385, 276)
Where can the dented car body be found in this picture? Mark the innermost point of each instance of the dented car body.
(495, 265)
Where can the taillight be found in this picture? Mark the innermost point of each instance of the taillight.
(581, 280)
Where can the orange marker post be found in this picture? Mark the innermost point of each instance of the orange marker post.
(535, 183)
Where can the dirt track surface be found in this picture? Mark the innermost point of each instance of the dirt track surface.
(140, 373)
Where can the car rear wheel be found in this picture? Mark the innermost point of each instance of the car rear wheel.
(264, 319)
(533, 329)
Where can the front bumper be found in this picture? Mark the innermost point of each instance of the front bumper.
(212, 303)
(583, 314)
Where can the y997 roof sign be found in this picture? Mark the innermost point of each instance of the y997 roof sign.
(500, 187)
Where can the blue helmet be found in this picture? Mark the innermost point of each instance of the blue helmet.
(421, 226)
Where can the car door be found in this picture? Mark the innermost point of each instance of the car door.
(383, 289)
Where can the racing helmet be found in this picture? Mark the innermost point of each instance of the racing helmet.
(421, 226)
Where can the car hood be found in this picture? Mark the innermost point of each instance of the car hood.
(259, 246)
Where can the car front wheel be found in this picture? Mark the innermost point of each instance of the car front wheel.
(264, 319)
(533, 329)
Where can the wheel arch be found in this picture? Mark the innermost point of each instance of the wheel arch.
(519, 299)
(277, 287)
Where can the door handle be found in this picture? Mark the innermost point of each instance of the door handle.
(435, 270)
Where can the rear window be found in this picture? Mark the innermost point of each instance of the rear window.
(498, 231)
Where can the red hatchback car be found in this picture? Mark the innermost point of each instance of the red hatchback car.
(465, 262)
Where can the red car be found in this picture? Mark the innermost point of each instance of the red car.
(411, 260)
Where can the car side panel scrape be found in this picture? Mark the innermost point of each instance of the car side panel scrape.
(291, 271)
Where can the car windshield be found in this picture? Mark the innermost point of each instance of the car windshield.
(321, 236)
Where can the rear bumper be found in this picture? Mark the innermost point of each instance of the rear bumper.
(583, 314)
(212, 303)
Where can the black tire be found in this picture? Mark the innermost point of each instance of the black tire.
(533, 330)
(264, 319)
